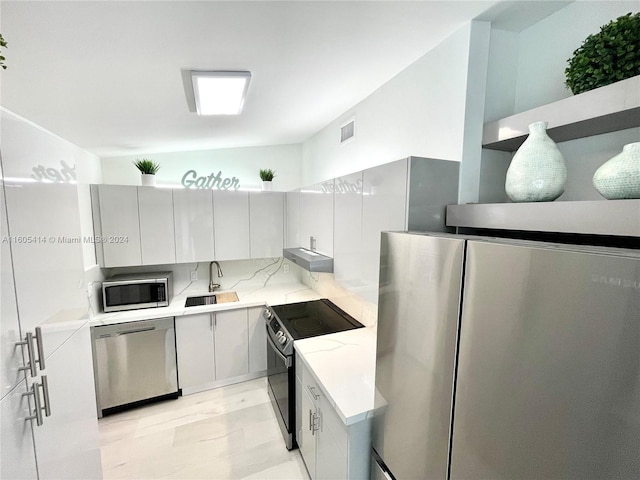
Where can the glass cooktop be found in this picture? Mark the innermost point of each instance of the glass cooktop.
(317, 317)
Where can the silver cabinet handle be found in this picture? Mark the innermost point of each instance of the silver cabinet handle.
(45, 396)
(311, 391)
(38, 338)
(312, 423)
(31, 365)
(37, 415)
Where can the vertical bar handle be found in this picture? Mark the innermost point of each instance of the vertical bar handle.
(45, 395)
(31, 366)
(40, 347)
(37, 415)
(312, 423)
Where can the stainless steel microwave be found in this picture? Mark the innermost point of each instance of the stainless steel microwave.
(133, 291)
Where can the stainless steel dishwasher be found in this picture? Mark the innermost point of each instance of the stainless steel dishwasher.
(134, 363)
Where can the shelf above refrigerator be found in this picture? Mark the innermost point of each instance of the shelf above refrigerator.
(606, 217)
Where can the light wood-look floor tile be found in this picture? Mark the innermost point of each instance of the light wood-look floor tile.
(226, 433)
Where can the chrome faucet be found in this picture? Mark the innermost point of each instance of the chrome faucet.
(213, 286)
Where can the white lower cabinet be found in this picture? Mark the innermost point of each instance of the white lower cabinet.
(331, 450)
(216, 349)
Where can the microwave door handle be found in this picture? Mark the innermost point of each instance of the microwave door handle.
(160, 293)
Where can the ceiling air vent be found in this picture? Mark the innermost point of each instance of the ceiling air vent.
(348, 131)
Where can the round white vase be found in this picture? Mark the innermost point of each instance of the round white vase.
(148, 180)
(267, 186)
(538, 172)
(619, 177)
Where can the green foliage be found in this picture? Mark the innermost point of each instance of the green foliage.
(146, 166)
(608, 56)
(3, 44)
(266, 175)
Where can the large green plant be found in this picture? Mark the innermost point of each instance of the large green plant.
(3, 44)
(606, 57)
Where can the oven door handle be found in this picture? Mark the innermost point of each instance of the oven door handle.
(284, 358)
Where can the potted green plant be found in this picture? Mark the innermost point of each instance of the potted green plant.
(266, 175)
(148, 170)
(611, 55)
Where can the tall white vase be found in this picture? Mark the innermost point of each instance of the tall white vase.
(537, 172)
(619, 177)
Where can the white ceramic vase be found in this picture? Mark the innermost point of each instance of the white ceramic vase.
(619, 177)
(537, 172)
(267, 186)
(148, 180)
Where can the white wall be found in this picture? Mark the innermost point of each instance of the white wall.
(242, 163)
(421, 112)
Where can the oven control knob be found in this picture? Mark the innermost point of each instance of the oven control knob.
(268, 314)
(282, 339)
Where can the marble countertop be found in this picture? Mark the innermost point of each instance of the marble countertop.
(344, 365)
(252, 297)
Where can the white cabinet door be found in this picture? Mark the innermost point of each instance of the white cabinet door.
(195, 351)
(384, 208)
(231, 224)
(266, 221)
(333, 443)
(67, 444)
(231, 343)
(305, 409)
(347, 230)
(157, 236)
(17, 456)
(193, 223)
(316, 216)
(292, 219)
(117, 218)
(257, 340)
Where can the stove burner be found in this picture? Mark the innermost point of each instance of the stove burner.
(308, 326)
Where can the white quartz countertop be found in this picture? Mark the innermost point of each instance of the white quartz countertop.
(344, 365)
(253, 297)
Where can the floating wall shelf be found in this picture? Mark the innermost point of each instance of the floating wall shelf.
(603, 110)
(607, 217)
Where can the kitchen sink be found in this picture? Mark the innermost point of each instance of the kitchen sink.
(211, 299)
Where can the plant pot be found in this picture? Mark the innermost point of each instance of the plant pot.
(619, 177)
(267, 186)
(537, 172)
(148, 180)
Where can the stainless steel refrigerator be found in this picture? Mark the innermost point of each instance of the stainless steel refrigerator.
(508, 360)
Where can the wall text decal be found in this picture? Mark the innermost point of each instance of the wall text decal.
(191, 180)
(342, 186)
(66, 174)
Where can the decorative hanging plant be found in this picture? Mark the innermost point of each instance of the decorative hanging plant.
(608, 56)
(3, 44)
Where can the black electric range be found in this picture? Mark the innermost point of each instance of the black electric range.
(285, 324)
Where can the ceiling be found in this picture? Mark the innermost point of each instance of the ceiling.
(108, 75)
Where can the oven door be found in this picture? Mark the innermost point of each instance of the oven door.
(281, 384)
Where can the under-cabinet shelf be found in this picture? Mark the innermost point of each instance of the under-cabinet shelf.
(605, 217)
(606, 109)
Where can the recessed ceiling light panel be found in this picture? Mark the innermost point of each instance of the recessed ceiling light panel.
(219, 93)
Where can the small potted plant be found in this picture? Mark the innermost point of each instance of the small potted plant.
(266, 175)
(3, 44)
(148, 170)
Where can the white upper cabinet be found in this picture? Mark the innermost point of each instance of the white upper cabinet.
(266, 223)
(157, 238)
(193, 223)
(116, 220)
(347, 229)
(231, 224)
(384, 208)
(292, 219)
(316, 217)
